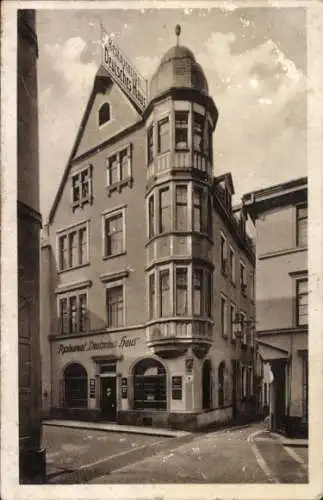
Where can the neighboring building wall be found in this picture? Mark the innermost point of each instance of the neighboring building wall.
(31, 458)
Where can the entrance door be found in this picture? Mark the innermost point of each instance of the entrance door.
(280, 395)
(108, 398)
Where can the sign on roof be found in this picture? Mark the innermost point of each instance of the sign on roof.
(123, 72)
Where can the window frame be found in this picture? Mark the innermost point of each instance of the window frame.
(66, 297)
(108, 216)
(181, 268)
(178, 125)
(233, 271)
(150, 144)
(161, 270)
(180, 203)
(298, 295)
(243, 278)
(300, 207)
(77, 183)
(127, 150)
(162, 209)
(224, 313)
(160, 123)
(64, 235)
(233, 308)
(114, 285)
(223, 254)
(105, 122)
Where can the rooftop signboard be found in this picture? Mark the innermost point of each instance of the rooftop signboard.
(123, 72)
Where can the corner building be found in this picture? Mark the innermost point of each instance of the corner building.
(145, 265)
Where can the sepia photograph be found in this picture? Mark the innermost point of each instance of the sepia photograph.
(161, 279)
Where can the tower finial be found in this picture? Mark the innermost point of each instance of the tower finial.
(177, 32)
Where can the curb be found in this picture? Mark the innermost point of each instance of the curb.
(291, 443)
(124, 430)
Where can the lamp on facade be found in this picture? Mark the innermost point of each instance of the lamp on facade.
(240, 324)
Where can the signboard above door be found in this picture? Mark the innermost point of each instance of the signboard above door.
(123, 72)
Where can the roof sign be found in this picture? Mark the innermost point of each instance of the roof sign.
(123, 72)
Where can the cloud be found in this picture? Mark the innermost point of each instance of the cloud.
(146, 65)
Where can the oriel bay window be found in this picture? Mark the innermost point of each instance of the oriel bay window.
(152, 295)
(73, 313)
(181, 130)
(151, 216)
(181, 208)
(73, 247)
(198, 132)
(163, 130)
(164, 210)
(181, 291)
(164, 292)
(197, 292)
(197, 210)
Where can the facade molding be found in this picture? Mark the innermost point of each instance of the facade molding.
(73, 286)
(282, 331)
(93, 333)
(280, 253)
(118, 275)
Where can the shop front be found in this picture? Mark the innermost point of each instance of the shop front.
(114, 377)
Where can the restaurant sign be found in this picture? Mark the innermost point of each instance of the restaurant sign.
(124, 343)
(123, 72)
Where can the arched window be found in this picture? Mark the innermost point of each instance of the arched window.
(206, 384)
(104, 113)
(75, 386)
(150, 385)
(221, 383)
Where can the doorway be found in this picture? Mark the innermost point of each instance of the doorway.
(206, 384)
(108, 398)
(279, 372)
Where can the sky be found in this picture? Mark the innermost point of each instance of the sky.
(254, 60)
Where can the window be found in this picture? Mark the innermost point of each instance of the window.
(165, 211)
(244, 328)
(221, 371)
(232, 319)
(209, 217)
(181, 208)
(181, 130)
(301, 229)
(75, 386)
(208, 294)
(164, 288)
(197, 210)
(152, 296)
(223, 255)
(150, 385)
(82, 187)
(115, 307)
(197, 292)
(198, 126)
(232, 258)
(302, 302)
(104, 113)
(151, 216)
(252, 286)
(73, 314)
(181, 291)
(114, 234)
(163, 135)
(224, 318)
(73, 248)
(305, 387)
(243, 381)
(119, 169)
(243, 281)
(150, 144)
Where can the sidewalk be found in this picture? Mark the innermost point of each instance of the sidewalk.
(291, 442)
(110, 427)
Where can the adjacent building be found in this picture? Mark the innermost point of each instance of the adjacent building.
(280, 216)
(31, 456)
(145, 267)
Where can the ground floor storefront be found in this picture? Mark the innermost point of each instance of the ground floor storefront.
(115, 377)
(285, 382)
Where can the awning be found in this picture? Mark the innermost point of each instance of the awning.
(269, 352)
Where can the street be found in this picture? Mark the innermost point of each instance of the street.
(237, 455)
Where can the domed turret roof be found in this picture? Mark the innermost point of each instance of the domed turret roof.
(178, 68)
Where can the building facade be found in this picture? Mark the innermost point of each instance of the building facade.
(144, 264)
(280, 216)
(31, 456)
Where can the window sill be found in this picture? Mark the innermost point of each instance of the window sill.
(84, 201)
(119, 185)
(108, 257)
(60, 271)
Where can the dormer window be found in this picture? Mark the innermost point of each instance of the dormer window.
(104, 114)
(181, 130)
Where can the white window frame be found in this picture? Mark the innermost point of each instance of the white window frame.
(109, 214)
(65, 232)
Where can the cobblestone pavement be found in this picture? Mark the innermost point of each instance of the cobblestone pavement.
(237, 455)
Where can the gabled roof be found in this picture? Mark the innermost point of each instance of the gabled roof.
(101, 82)
(227, 179)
